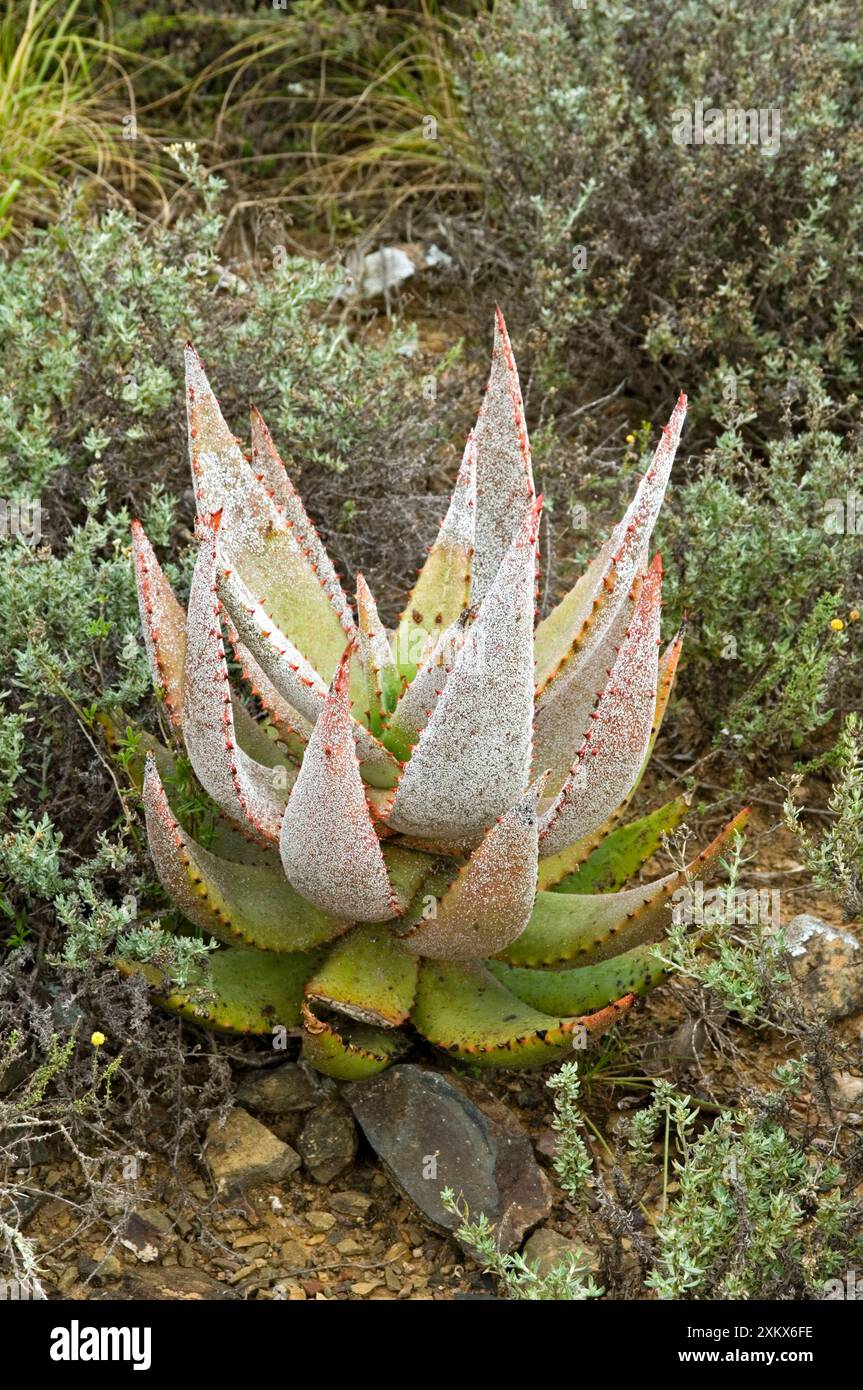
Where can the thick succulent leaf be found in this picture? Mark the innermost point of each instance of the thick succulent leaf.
(566, 697)
(504, 476)
(329, 848)
(235, 902)
(623, 851)
(352, 1052)
(565, 625)
(415, 707)
(588, 987)
(283, 564)
(471, 761)
(463, 1009)
(261, 742)
(382, 678)
(247, 790)
(489, 902)
(407, 870)
(564, 707)
(197, 813)
(248, 991)
(222, 479)
(293, 677)
(281, 580)
(291, 727)
(442, 590)
(611, 757)
(555, 868)
(369, 976)
(268, 467)
(163, 621)
(590, 927)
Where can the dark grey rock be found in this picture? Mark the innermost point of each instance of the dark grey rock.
(432, 1132)
(328, 1142)
(281, 1091)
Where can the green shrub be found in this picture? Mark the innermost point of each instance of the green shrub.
(638, 266)
(729, 271)
(93, 317)
(835, 858)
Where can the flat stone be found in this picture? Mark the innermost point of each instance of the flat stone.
(328, 1142)
(827, 962)
(148, 1234)
(243, 1153)
(848, 1090)
(432, 1132)
(545, 1251)
(293, 1255)
(281, 1091)
(320, 1221)
(355, 1204)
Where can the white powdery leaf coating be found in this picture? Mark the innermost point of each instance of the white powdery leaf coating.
(276, 706)
(630, 539)
(458, 528)
(565, 702)
(442, 589)
(222, 479)
(415, 707)
(374, 647)
(243, 788)
(330, 852)
(504, 474)
(293, 677)
(269, 469)
(563, 708)
(472, 759)
(489, 904)
(615, 746)
(163, 622)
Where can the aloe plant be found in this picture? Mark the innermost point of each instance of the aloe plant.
(424, 826)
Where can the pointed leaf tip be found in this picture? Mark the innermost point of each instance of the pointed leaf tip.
(330, 851)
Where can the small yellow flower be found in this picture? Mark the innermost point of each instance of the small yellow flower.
(98, 1039)
(837, 624)
(630, 439)
(853, 615)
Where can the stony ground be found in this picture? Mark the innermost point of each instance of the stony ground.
(289, 1201)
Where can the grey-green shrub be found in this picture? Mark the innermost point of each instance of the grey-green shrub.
(732, 271)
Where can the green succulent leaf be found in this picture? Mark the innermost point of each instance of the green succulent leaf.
(369, 976)
(585, 988)
(442, 590)
(248, 991)
(350, 1053)
(253, 903)
(622, 853)
(557, 866)
(590, 927)
(565, 700)
(461, 1008)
